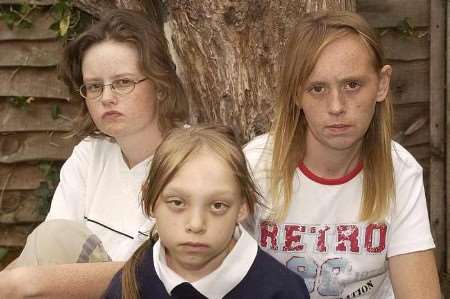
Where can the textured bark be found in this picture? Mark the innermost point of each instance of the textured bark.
(97, 7)
(227, 55)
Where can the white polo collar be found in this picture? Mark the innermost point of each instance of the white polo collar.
(221, 281)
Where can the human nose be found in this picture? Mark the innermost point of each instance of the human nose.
(108, 95)
(196, 222)
(336, 104)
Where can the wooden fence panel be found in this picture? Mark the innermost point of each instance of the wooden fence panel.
(20, 176)
(20, 207)
(35, 82)
(14, 235)
(389, 13)
(40, 115)
(395, 43)
(39, 31)
(410, 82)
(24, 147)
(30, 53)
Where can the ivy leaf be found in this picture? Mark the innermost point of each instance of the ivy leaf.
(56, 111)
(64, 24)
(3, 252)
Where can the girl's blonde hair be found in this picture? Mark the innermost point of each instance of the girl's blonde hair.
(179, 146)
(310, 37)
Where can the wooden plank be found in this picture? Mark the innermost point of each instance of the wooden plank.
(24, 147)
(410, 81)
(40, 115)
(447, 191)
(421, 152)
(389, 13)
(30, 53)
(40, 29)
(34, 2)
(20, 207)
(405, 48)
(20, 176)
(409, 117)
(437, 129)
(35, 82)
(14, 235)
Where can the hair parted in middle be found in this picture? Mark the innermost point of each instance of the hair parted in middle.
(180, 145)
(310, 36)
(155, 62)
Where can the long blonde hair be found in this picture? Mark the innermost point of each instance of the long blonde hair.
(176, 148)
(288, 132)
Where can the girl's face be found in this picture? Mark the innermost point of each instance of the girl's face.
(340, 95)
(196, 215)
(121, 116)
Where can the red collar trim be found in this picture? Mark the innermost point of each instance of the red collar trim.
(324, 181)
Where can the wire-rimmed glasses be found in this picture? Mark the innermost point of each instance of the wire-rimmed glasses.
(94, 91)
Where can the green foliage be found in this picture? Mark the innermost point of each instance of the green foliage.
(56, 111)
(3, 252)
(66, 18)
(20, 102)
(404, 27)
(50, 170)
(16, 15)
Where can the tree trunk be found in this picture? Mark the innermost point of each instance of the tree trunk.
(227, 52)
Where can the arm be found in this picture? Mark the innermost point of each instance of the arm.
(58, 281)
(414, 275)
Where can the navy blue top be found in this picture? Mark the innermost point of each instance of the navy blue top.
(266, 279)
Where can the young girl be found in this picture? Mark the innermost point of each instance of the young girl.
(198, 191)
(121, 72)
(348, 210)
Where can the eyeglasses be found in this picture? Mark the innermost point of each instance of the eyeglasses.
(94, 91)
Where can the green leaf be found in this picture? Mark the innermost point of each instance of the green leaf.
(3, 252)
(56, 111)
(64, 24)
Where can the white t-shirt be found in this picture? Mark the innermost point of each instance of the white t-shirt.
(98, 189)
(322, 238)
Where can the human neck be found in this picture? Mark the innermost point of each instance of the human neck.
(331, 163)
(136, 148)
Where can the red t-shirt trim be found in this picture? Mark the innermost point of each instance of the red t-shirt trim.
(324, 181)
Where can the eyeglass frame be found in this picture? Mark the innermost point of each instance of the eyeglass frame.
(135, 82)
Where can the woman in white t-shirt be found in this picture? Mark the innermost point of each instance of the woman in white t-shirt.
(123, 73)
(347, 204)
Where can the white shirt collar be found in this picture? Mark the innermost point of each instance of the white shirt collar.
(221, 281)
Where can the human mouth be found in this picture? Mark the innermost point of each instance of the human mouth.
(338, 128)
(195, 246)
(111, 114)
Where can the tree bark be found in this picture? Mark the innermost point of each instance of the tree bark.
(227, 54)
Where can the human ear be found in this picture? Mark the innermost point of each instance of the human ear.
(383, 83)
(243, 212)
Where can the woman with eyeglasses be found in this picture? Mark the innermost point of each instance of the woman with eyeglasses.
(122, 71)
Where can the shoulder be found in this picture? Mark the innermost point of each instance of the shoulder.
(403, 159)
(258, 150)
(277, 278)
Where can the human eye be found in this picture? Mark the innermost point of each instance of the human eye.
(352, 85)
(123, 83)
(219, 207)
(93, 87)
(316, 89)
(175, 203)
